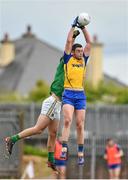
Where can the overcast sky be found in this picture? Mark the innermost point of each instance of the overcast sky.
(51, 21)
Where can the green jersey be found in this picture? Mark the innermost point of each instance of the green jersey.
(57, 85)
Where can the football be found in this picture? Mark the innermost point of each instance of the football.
(84, 19)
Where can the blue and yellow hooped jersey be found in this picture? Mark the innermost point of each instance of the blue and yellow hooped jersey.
(74, 71)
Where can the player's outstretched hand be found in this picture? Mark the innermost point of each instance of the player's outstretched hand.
(76, 33)
(75, 22)
(80, 26)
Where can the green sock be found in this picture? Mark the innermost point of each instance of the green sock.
(15, 138)
(51, 157)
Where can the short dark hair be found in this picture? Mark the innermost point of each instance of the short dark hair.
(76, 46)
(109, 139)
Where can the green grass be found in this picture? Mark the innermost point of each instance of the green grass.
(30, 150)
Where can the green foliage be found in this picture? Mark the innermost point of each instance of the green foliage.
(107, 93)
(122, 97)
(110, 88)
(10, 97)
(91, 93)
(39, 92)
(30, 150)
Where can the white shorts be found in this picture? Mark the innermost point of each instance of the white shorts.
(51, 107)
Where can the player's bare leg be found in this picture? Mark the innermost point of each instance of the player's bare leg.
(68, 111)
(80, 120)
(52, 128)
(117, 173)
(41, 124)
(111, 174)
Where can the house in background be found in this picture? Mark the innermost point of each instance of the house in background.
(33, 60)
(28, 59)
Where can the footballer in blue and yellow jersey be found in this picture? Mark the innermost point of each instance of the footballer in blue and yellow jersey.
(74, 81)
(74, 98)
(74, 71)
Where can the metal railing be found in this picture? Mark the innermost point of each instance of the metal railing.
(101, 123)
(10, 123)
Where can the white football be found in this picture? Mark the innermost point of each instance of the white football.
(84, 19)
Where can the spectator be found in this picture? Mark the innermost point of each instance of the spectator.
(113, 154)
(59, 162)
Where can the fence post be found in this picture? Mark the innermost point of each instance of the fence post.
(21, 125)
(93, 156)
(80, 171)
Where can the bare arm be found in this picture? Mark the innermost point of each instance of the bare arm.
(70, 41)
(88, 42)
(105, 156)
(120, 154)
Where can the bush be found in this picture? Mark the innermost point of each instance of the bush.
(10, 97)
(93, 94)
(123, 97)
(39, 92)
(107, 93)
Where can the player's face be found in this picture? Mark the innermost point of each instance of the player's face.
(111, 143)
(78, 53)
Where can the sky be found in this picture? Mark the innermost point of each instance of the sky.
(51, 20)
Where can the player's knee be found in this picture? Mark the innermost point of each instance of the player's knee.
(62, 174)
(80, 126)
(53, 133)
(116, 176)
(111, 176)
(67, 122)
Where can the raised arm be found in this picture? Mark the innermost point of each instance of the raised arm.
(70, 38)
(88, 41)
(70, 41)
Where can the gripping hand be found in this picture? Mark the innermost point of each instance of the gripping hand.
(75, 22)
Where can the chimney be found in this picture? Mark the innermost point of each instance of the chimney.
(28, 33)
(95, 65)
(7, 51)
